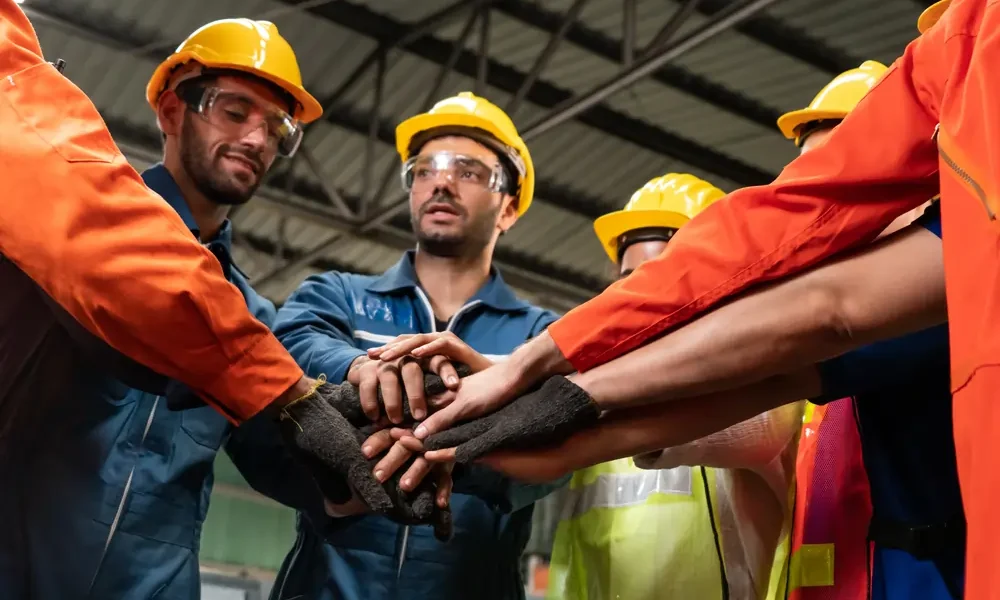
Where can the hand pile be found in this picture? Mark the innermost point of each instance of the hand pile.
(325, 431)
(345, 440)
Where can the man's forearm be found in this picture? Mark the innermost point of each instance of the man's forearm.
(891, 288)
(631, 431)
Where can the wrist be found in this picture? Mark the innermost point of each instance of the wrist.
(538, 359)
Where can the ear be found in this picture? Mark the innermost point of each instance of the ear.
(170, 113)
(508, 213)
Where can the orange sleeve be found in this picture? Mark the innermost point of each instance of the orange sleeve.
(79, 221)
(880, 162)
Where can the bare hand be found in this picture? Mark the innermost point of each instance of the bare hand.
(372, 375)
(399, 452)
(439, 349)
(479, 394)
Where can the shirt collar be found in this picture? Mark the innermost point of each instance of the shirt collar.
(402, 276)
(159, 179)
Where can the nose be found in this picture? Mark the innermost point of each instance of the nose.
(444, 179)
(255, 138)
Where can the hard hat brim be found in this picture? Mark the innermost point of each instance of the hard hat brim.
(931, 15)
(311, 108)
(613, 225)
(790, 123)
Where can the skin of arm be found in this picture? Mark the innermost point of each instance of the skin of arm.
(630, 431)
(893, 287)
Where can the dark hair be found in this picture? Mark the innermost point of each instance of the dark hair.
(814, 126)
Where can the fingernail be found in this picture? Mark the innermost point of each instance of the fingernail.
(367, 450)
(418, 414)
(452, 380)
(406, 483)
(420, 432)
(379, 475)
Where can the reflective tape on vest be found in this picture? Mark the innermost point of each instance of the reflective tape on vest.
(812, 566)
(615, 490)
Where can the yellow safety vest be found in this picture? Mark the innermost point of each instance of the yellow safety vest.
(633, 534)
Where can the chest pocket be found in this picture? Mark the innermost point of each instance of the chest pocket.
(74, 130)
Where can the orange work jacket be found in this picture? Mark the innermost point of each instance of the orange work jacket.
(881, 161)
(78, 220)
(830, 559)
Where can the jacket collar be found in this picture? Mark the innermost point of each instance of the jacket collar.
(402, 276)
(159, 179)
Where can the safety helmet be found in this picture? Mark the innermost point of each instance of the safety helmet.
(931, 14)
(666, 202)
(254, 47)
(834, 101)
(464, 114)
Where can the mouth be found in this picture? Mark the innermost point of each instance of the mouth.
(243, 162)
(438, 209)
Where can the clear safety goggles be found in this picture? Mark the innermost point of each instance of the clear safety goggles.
(423, 172)
(237, 114)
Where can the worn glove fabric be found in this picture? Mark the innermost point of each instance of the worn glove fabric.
(548, 415)
(347, 400)
(419, 506)
(330, 448)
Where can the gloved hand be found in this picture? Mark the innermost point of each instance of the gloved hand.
(347, 400)
(330, 448)
(548, 415)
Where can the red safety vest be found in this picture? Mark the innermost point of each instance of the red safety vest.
(832, 508)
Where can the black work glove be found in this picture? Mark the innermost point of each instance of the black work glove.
(548, 415)
(347, 400)
(330, 448)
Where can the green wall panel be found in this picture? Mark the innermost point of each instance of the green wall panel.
(244, 528)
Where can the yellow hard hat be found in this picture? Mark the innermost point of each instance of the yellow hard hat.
(834, 101)
(669, 201)
(930, 16)
(242, 45)
(468, 111)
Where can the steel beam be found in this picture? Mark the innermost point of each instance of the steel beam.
(545, 95)
(675, 22)
(773, 33)
(575, 106)
(425, 26)
(546, 55)
(672, 76)
(373, 121)
(483, 65)
(628, 32)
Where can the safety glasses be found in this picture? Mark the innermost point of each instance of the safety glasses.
(237, 114)
(423, 172)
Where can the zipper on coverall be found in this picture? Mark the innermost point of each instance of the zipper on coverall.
(433, 321)
(125, 493)
(964, 176)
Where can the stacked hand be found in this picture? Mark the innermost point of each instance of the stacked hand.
(326, 430)
(362, 465)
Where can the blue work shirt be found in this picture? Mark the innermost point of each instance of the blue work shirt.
(111, 506)
(902, 399)
(326, 324)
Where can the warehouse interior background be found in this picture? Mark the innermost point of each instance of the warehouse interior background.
(607, 93)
